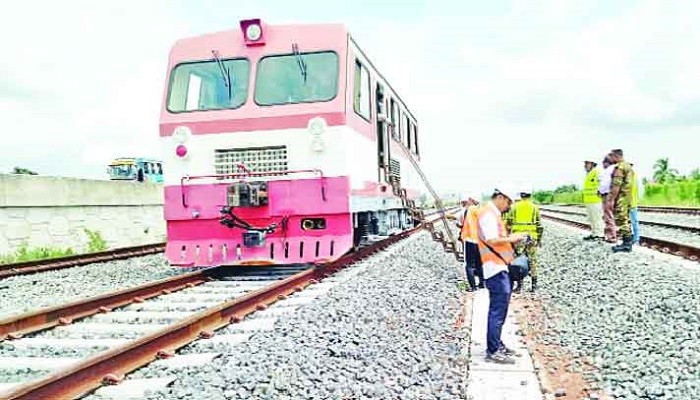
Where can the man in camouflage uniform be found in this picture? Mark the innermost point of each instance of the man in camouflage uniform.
(621, 192)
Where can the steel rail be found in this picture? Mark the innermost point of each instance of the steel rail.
(30, 267)
(656, 209)
(682, 250)
(692, 229)
(87, 375)
(49, 317)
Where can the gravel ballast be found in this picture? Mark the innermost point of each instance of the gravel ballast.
(23, 293)
(386, 332)
(634, 315)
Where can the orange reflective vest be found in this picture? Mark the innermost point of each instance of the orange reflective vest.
(505, 250)
(470, 225)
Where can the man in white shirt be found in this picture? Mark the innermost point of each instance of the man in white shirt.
(465, 201)
(605, 183)
(496, 250)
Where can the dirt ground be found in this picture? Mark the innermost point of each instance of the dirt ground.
(556, 368)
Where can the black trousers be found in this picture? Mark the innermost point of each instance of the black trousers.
(472, 264)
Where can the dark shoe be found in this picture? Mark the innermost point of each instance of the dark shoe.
(499, 358)
(481, 285)
(519, 287)
(471, 289)
(509, 352)
(625, 247)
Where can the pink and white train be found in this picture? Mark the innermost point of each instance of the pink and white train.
(277, 147)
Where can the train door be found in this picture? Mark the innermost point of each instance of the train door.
(382, 136)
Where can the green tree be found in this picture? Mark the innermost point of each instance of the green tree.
(695, 174)
(23, 171)
(663, 172)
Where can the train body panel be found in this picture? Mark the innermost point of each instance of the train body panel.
(283, 164)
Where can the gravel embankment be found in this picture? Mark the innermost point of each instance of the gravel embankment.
(386, 332)
(670, 234)
(636, 316)
(23, 293)
(668, 218)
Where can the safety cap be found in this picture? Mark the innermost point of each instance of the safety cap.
(591, 160)
(508, 190)
(469, 195)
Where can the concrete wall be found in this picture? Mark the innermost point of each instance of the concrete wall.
(53, 211)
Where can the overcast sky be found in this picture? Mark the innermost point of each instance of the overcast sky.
(503, 90)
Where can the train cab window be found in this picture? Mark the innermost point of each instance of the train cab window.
(208, 85)
(361, 94)
(297, 78)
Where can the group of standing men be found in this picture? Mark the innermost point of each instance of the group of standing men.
(611, 198)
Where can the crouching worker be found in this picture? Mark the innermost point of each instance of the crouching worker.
(496, 250)
(524, 217)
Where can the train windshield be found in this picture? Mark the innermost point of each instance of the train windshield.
(209, 85)
(297, 78)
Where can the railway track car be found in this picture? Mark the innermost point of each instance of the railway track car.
(283, 144)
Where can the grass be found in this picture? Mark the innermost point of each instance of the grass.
(95, 243)
(678, 194)
(24, 253)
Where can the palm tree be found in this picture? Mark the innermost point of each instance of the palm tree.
(662, 171)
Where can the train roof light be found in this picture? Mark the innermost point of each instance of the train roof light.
(181, 134)
(253, 32)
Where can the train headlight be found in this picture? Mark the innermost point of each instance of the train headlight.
(252, 32)
(181, 134)
(181, 151)
(317, 126)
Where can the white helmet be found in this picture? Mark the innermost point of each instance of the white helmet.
(527, 189)
(591, 160)
(508, 190)
(469, 196)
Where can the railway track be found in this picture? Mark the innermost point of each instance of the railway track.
(655, 209)
(692, 229)
(665, 246)
(177, 301)
(30, 267)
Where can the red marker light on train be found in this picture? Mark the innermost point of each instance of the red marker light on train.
(253, 32)
(181, 150)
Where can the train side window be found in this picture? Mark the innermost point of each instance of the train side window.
(160, 169)
(402, 131)
(361, 97)
(409, 137)
(415, 139)
(394, 119)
